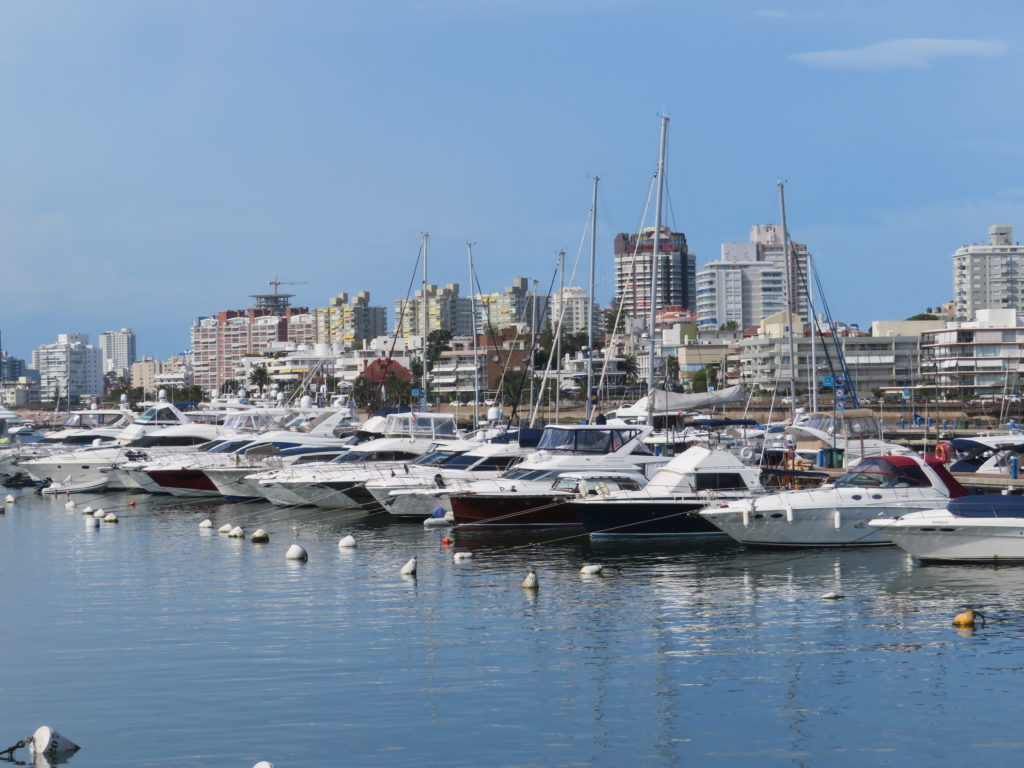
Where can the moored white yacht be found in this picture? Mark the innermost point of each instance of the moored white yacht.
(837, 514)
(972, 529)
(855, 432)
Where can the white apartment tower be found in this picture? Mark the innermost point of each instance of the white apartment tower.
(69, 369)
(749, 283)
(118, 348)
(446, 310)
(988, 276)
(577, 304)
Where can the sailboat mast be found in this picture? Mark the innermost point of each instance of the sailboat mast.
(814, 333)
(790, 301)
(656, 247)
(476, 358)
(425, 385)
(558, 334)
(590, 317)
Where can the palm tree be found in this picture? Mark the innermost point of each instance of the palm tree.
(259, 377)
(629, 367)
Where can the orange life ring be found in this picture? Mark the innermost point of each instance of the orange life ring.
(944, 452)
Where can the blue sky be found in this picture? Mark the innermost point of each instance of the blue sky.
(164, 160)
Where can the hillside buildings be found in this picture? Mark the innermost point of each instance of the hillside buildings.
(576, 304)
(350, 321)
(975, 358)
(446, 310)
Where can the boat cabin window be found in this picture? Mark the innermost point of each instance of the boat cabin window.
(315, 458)
(437, 458)
(228, 446)
(75, 440)
(150, 441)
(157, 416)
(357, 456)
(529, 474)
(879, 473)
(496, 463)
(718, 481)
(585, 440)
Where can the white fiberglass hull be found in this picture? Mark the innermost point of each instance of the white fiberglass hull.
(233, 482)
(938, 535)
(412, 503)
(824, 517)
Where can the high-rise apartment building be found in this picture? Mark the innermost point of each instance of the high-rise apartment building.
(749, 283)
(219, 342)
(676, 266)
(516, 304)
(988, 276)
(118, 348)
(576, 305)
(350, 321)
(69, 369)
(446, 310)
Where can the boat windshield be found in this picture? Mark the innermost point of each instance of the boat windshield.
(880, 473)
(437, 458)
(562, 440)
(529, 474)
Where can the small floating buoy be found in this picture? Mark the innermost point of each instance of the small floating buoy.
(964, 620)
(347, 542)
(837, 520)
(591, 569)
(459, 556)
(436, 522)
(206, 523)
(99, 514)
(70, 504)
(48, 743)
(264, 764)
(446, 542)
(530, 582)
(8, 499)
(131, 503)
(789, 513)
(226, 528)
(295, 552)
(409, 569)
(88, 511)
(236, 533)
(259, 536)
(833, 596)
(110, 517)
(91, 522)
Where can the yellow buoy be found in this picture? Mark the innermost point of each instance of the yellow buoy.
(965, 619)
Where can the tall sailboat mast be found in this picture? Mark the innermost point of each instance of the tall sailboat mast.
(423, 302)
(476, 359)
(656, 247)
(590, 316)
(558, 334)
(790, 301)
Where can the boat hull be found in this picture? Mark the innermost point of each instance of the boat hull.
(513, 511)
(667, 517)
(184, 482)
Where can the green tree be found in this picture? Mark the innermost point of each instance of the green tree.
(923, 316)
(629, 367)
(729, 326)
(437, 342)
(399, 391)
(672, 370)
(611, 314)
(365, 394)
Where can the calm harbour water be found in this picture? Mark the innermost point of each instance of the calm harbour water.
(152, 643)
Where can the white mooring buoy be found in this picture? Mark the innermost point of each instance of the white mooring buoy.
(347, 542)
(409, 569)
(259, 536)
(236, 533)
(88, 511)
(226, 528)
(833, 596)
(264, 764)
(592, 569)
(99, 514)
(91, 522)
(8, 499)
(460, 556)
(296, 552)
(110, 517)
(70, 504)
(206, 524)
(530, 582)
(48, 743)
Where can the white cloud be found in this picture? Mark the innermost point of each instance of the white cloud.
(768, 14)
(913, 52)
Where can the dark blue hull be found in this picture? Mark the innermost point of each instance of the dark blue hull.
(648, 517)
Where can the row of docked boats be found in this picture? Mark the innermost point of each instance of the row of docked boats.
(603, 479)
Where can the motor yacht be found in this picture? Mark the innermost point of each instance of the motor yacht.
(854, 434)
(837, 514)
(972, 529)
(669, 505)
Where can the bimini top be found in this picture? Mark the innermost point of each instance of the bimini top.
(901, 472)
